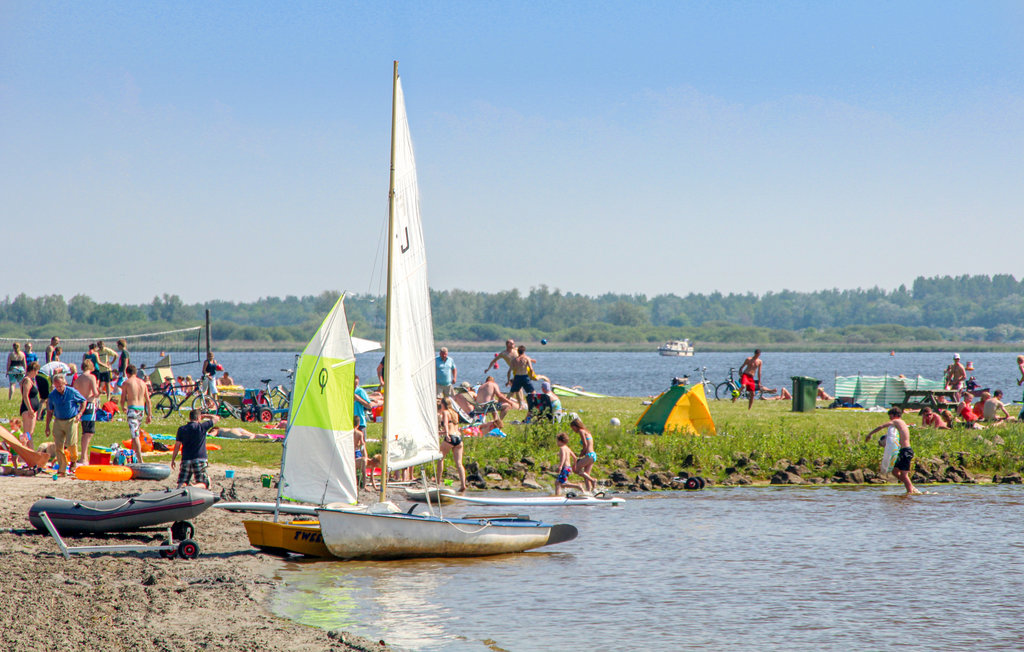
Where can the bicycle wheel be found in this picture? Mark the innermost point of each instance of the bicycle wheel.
(204, 403)
(723, 390)
(163, 405)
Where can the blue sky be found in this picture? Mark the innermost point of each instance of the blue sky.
(238, 150)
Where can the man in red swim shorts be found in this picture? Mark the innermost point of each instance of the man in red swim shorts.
(750, 368)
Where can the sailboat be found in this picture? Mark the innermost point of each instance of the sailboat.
(317, 463)
(410, 422)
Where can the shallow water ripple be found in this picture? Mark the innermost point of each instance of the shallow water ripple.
(724, 569)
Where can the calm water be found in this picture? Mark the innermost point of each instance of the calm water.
(644, 374)
(723, 569)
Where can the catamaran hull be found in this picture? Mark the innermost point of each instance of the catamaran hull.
(360, 535)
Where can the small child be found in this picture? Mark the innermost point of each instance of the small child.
(359, 442)
(898, 427)
(566, 459)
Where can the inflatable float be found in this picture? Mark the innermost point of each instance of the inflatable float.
(122, 514)
(104, 472)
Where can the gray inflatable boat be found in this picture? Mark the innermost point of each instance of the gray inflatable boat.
(122, 514)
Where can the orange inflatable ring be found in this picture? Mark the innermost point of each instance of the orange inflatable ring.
(108, 472)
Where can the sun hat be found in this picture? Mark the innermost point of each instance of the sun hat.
(956, 356)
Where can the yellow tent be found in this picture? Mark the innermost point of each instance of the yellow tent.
(680, 410)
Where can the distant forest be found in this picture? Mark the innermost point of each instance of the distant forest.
(964, 308)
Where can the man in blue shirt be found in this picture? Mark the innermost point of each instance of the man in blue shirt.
(66, 405)
(447, 374)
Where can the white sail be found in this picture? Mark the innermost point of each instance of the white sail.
(318, 462)
(409, 409)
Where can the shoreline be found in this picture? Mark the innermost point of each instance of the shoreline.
(138, 600)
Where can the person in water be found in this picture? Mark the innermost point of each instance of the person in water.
(896, 426)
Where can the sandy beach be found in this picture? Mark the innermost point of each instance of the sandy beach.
(140, 601)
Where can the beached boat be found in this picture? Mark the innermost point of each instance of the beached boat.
(681, 348)
(410, 414)
(122, 514)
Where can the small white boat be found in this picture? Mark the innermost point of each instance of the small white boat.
(681, 348)
(540, 501)
(410, 412)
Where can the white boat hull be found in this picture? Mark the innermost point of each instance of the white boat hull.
(362, 535)
(538, 501)
(677, 354)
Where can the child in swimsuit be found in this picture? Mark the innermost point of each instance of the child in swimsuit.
(566, 459)
(587, 456)
(897, 426)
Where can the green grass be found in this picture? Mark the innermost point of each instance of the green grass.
(832, 440)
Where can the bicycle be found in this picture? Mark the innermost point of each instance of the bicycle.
(198, 398)
(731, 389)
(277, 398)
(709, 387)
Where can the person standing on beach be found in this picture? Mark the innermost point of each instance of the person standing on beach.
(446, 373)
(54, 341)
(898, 427)
(16, 368)
(191, 441)
(521, 369)
(750, 376)
(105, 356)
(507, 355)
(65, 405)
(956, 374)
(1020, 381)
(123, 360)
(135, 403)
(89, 387)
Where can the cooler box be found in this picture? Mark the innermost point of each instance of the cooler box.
(99, 455)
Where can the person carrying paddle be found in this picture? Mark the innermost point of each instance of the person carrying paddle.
(191, 441)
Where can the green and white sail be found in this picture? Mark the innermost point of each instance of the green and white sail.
(318, 461)
(410, 414)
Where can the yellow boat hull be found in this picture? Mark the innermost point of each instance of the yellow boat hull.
(299, 537)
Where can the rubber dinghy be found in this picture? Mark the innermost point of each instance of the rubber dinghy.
(122, 514)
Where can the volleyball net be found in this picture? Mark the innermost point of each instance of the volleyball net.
(184, 346)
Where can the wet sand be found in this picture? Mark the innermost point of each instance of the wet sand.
(138, 600)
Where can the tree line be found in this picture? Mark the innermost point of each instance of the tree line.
(976, 307)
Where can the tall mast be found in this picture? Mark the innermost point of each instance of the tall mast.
(387, 329)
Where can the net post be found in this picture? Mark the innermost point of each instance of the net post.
(208, 349)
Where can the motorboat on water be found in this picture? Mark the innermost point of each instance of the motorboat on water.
(679, 348)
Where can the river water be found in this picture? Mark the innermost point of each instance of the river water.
(645, 374)
(767, 568)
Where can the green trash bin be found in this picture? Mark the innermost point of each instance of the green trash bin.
(805, 393)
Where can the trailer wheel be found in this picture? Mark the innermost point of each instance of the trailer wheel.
(188, 549)
(167, 554)
(692, 483)
(266, 415)
(703, 482)
(182, 530)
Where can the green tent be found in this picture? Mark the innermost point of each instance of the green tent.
(678, 409)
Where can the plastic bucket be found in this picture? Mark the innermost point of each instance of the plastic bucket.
(230, 473)
(266, 479)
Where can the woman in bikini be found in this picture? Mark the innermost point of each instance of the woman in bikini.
(451, 440)
(15, 368)
(587, 456)
(30, 402)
